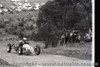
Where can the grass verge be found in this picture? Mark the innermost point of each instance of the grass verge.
(2, 62)
(80, 51)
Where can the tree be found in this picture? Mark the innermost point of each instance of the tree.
(64, 15)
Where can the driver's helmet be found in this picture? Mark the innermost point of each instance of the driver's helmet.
(25, 39)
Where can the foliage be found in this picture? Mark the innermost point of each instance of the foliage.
(64, 15)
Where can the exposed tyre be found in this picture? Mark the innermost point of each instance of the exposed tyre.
(20, 51)
(37, 50)
(9, 47)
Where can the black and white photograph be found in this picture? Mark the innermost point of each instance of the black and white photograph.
(47, 33)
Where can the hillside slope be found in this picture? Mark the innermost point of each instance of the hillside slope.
(15, 16)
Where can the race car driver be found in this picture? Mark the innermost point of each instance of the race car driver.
(23, 41)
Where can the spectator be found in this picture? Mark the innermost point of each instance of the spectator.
(66, 37)
(62, 39)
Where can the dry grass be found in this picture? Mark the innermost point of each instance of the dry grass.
(82, 51)
(2, 62)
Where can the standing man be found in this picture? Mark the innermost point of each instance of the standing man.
(66, 37)
(62, 39)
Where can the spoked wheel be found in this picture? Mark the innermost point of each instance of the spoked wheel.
(37, 50)
(20, 51)
(9, 47)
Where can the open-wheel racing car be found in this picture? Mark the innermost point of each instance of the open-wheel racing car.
(26, 48)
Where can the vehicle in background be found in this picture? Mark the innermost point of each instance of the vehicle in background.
(1, 6)
(1, 11)
(27, 6)
(37, 6)
(5, 10)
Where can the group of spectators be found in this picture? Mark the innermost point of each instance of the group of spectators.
(74, 36)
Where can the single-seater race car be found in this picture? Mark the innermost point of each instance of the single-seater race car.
(26, 48)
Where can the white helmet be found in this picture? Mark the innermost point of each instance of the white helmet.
(25, 39)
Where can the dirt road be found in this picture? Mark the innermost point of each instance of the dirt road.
(15, 59)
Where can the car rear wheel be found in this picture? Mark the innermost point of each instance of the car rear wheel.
(37, 50)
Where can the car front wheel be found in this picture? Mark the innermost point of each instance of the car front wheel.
(9, 47)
